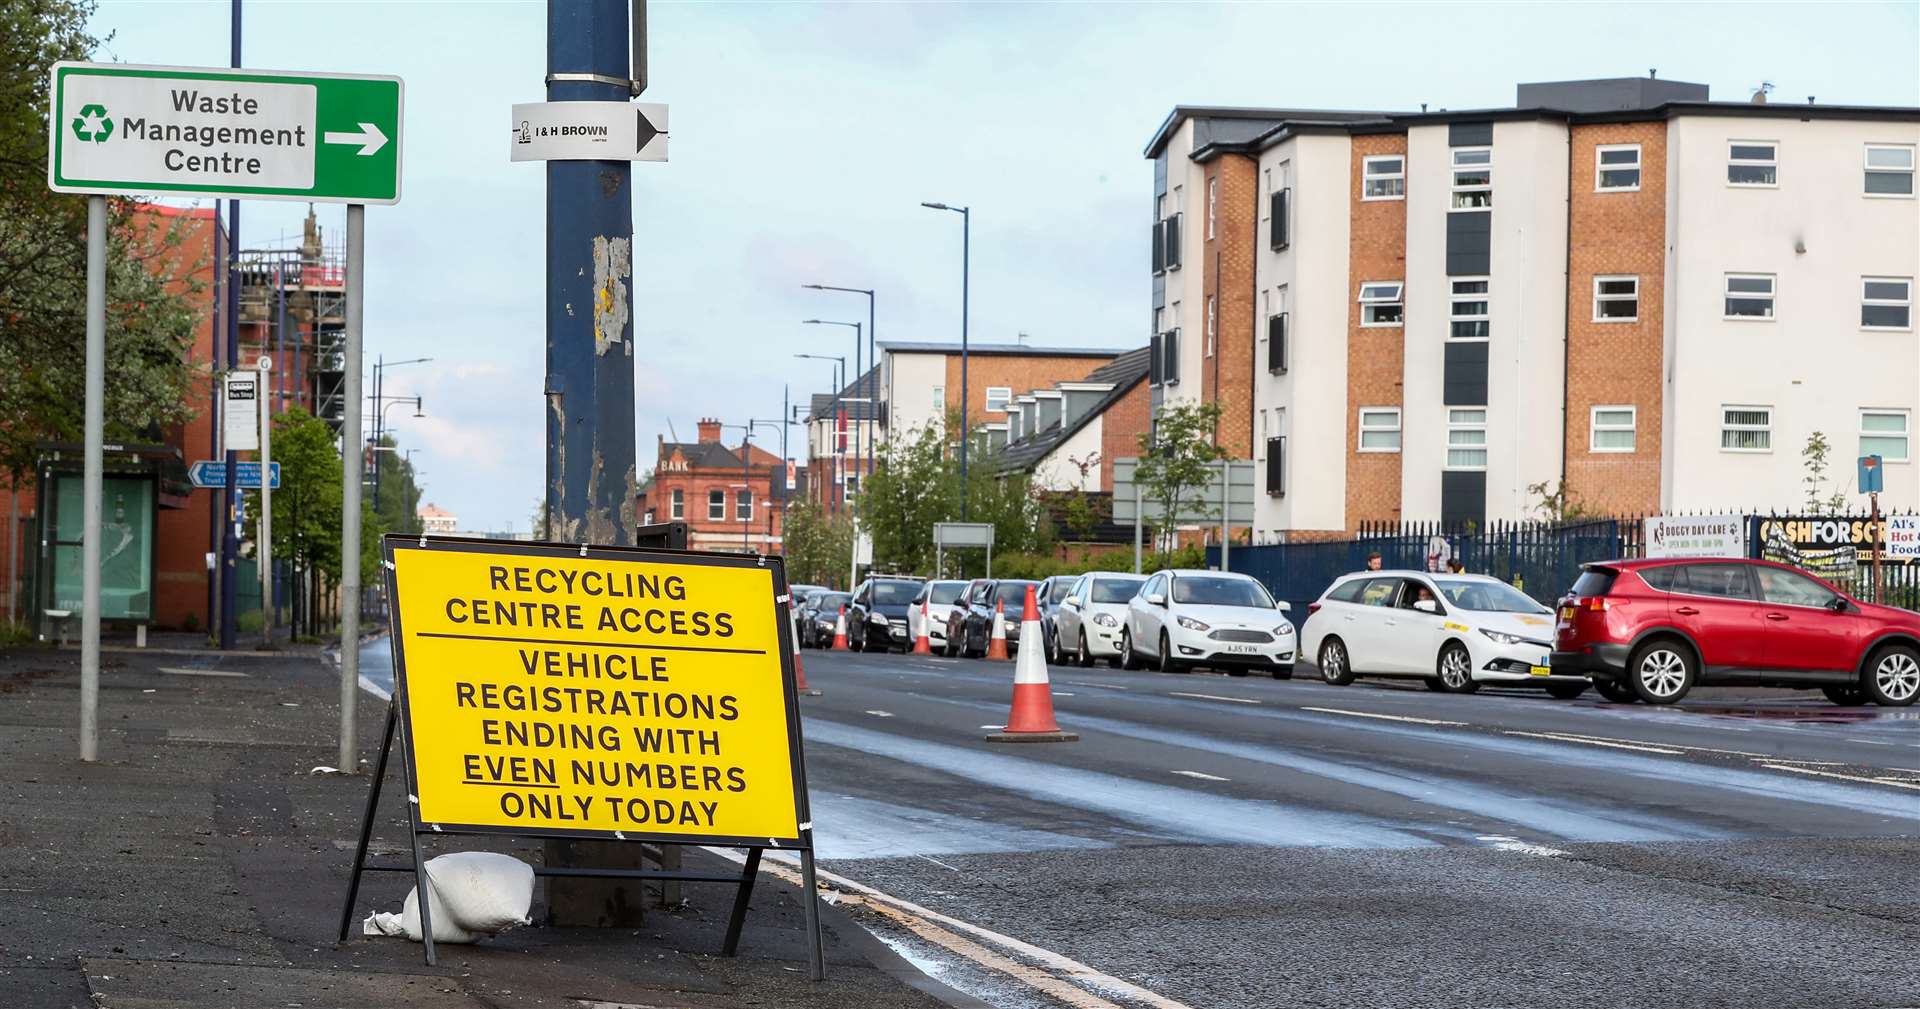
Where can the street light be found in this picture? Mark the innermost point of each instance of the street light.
(873, 359)
(966, 255)
(838, 384)
(746, 474)
(379, 428)
(859, 372)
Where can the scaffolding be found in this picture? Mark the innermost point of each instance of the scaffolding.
(293, 308)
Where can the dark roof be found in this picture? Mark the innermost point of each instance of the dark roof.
(1002, 349)
(1230, 121)
(865, 387)
(1125, 372)
(702, 454)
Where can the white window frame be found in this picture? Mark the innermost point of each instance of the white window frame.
(1003, 393)
(1599, 278)
(1727, 428)
(1399, 300)
(719, 506)
(1869, 168)
(1455, 298)
(1906, 303)
(1458, 191)
(1601, 168)
(677, 503)
(1377, 414)
(1212, 325)
(1455, 424)
(743, 497)
(1772, 162)
(1905, 435)
(1368, 177)
(1213, 203)
(1595, 429)
(1727, 293)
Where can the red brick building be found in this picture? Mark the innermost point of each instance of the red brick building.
(729, 503)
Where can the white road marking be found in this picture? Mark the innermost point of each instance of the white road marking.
(993, 726)
(1895, 782)
(939, 863)
(185, 671)
(1062, 977)
(1560, 737)
(1501, 842)
(1213, 697)
(1064, 693)
(1390, 718)
(1202, 776)
(1102, 686)
(879, 714)
(1872, 742)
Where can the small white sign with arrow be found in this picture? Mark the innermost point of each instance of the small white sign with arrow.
(589, 131)
(368, 138)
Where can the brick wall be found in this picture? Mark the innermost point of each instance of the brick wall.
(1376, 250)
(1022, 373)
(1121, 426)
(1616, 363)
(697, 483)
(1227, 257)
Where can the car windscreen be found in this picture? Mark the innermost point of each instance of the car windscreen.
(947, 592)
(1202, 590)
(1487, 597)
(894, 593)
(1057, 589)
(1012, 593)
(828, 601)
(1115, 590)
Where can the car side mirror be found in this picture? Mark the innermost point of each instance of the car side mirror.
(1283, 606)
(1156, 599)
(1426, 606)
(1838, 605)
(1071, 601)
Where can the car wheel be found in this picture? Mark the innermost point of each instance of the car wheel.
(1168, 664)
(1082, 656)
(1054, 655)
(1617, 691)
(1128, 658)
(1893, 676)
(1845, 694)
(1333, 663)
(1662, 671)
(1566, 691)
(1455, 670)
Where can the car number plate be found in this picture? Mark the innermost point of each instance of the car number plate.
(1242, 649)
(1541, 670)
(1566, 613)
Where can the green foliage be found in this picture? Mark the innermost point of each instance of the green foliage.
(1176, 460)
(1814, 460)
(917, 483)
(151, 309)
(818, 545)
(306, 508)
(398, 503)
(1554, 502)
(14, 634)
(251, 622)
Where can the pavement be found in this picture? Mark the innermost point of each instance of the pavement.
(202, 863)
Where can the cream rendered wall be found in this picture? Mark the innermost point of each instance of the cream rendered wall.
(1185, 302)
(1527, 349)
(1813, 364)
(1308, 404)
(909, 388)
(1057, 471)
(1423, 415)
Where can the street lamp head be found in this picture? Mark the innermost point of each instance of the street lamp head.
(812, 322)
(813, 287)
(935, 206)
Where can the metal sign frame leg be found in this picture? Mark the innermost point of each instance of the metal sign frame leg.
(738, 918)
(366, 820)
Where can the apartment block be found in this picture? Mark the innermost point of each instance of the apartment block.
(1617, 287)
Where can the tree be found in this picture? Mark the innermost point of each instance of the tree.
(398, 504)
(151, 315)
(917, 483)
(1177, 462)
(818, 546)
(1557, 503)
(1814, 459)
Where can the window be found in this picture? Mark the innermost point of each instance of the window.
(1616, 168)
(1469, 309)
(1213, 201)
(1749, 296)
(1210, 325)
(1884, 433)
(1379, 429)
(1277, 343)
(1472, 178)
(1164, 366)
(1616, 299)
(679, 504)
(1791, 588)
(1170, 229)
(1751, 163)
(1277, 467)
(1746, 429)
(1467, 438)
(1380, 303)
(1383, 178)
(1281, 210)
(743, 505)
(940, 397)
(1612, 429)
(1886, 302)
(999, 397)
(1380, 592)
(1889, 170)
(853, 485)
(717, 505)
(1724, 581)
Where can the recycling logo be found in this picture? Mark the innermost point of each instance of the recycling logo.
(92, 124)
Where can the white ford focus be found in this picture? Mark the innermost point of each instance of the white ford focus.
(1454, 632)
(1182, 618)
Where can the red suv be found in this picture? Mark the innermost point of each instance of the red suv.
(1653, 629)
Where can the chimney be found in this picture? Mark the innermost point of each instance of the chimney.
(709, 430)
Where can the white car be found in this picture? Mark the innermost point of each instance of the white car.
(1087, 625)
(1184, 618)
(1454, 632)
(939, 598)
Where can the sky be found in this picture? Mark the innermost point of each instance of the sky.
(805, 136)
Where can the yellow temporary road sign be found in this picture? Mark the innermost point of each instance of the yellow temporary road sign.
(611, 693)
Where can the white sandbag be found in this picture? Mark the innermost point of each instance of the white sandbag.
(472, 893)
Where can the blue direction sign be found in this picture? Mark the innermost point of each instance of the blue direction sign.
(213, 473)
(1872, 476)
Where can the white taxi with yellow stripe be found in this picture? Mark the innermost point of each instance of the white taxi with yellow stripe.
(1453, 632)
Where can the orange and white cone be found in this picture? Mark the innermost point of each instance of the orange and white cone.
(840, 631)
(921, 644)
(800, 673)
(997, 641)
(1031, 720)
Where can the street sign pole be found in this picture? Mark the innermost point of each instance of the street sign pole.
(350, 466)
(1226, 510)
(95, 463)
(265, 553)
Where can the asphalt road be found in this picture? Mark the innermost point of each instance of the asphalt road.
(1225, 842)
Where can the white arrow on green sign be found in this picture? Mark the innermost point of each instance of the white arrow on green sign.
(257, 134)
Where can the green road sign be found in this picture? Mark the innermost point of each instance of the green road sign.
(216, 132)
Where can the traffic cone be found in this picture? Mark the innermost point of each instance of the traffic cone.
(997, 641)
(921, 645)
(840, 631)
(800, 673)
(1031, 720)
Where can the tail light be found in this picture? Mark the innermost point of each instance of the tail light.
(1313, 608)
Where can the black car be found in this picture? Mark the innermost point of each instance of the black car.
(877, 617)
(818, 616)
(982, 599)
